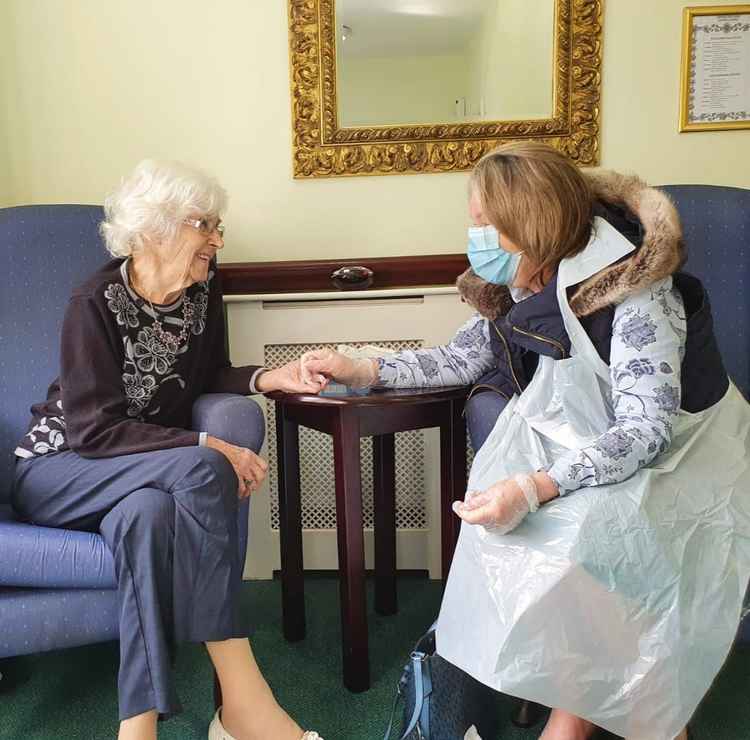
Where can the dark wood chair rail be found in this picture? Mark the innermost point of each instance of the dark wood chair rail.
(298, 276)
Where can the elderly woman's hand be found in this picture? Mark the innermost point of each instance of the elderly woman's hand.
(250, 469)
(290, 379)
(356, 373)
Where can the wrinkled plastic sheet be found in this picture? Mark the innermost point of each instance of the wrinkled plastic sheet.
(618, 603)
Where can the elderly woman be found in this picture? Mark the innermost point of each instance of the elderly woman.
(110, 449)
(602, 397)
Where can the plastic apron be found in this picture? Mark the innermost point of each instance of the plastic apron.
(619, 602)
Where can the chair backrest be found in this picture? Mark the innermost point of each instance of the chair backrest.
(47, 250)
(716, 223)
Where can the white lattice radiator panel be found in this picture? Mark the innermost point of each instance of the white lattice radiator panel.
(281, 327)
(316, 460)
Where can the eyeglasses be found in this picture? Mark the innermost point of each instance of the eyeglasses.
(205, 226)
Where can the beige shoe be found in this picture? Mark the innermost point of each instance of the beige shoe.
(216, 730)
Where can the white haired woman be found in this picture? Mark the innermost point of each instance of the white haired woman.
(111, 450)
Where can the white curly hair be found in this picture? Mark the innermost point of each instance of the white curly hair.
(152, 202)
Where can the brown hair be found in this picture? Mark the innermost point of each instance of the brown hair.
(537, 198)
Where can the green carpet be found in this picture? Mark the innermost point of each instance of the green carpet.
(71, 694)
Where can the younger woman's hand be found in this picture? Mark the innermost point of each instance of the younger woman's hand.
(249, 467)
(326, 363)
(502, 507)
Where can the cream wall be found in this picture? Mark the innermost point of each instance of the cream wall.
(388, 90)
(98, 84)
(5, 180)
(641, 77)
(510, 75)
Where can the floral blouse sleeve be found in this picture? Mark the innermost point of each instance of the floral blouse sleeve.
(648, 343)
(464, 360)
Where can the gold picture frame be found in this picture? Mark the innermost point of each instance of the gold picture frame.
(706, 98)
(323, 149)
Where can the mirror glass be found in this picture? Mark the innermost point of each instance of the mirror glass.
(443, 61)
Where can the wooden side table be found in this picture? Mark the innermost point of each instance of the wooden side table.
(380, 414)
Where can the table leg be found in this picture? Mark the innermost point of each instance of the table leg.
(351, 550)
(452, 479)
(384, 478)
(290, 527)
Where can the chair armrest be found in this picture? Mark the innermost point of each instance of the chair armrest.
(235, 419)
(45, 557)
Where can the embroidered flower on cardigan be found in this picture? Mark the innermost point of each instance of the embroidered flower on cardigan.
(118, 301)
(54, 441)
(198, 312)
(151, 353)
(149, 360)
(138, 389)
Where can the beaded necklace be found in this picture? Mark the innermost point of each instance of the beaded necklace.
(172, 342)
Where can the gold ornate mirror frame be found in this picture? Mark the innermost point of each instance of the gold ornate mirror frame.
(322, 149)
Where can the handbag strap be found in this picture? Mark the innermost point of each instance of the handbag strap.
(422, 685)
(422, 689)
(393, 715)
(424, 718)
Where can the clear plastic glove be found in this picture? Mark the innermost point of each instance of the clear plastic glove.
(502, 507)
(359, 372)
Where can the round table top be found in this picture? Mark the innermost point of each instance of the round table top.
(339, 395)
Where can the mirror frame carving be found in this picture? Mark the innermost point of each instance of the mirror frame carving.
(322, 149)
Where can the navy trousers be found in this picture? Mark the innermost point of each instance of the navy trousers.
(170, 519)
(482, 410)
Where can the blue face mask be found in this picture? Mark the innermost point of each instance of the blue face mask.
(488, 259)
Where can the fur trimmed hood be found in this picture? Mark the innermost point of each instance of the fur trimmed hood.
(660, 254)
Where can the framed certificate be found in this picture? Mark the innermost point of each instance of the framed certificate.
(715, 86)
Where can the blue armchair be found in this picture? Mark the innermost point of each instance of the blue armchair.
(716, 224)
(57, 587)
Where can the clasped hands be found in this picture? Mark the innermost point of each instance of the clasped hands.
(311, 373)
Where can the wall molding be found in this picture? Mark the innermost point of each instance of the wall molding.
(304, 276)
